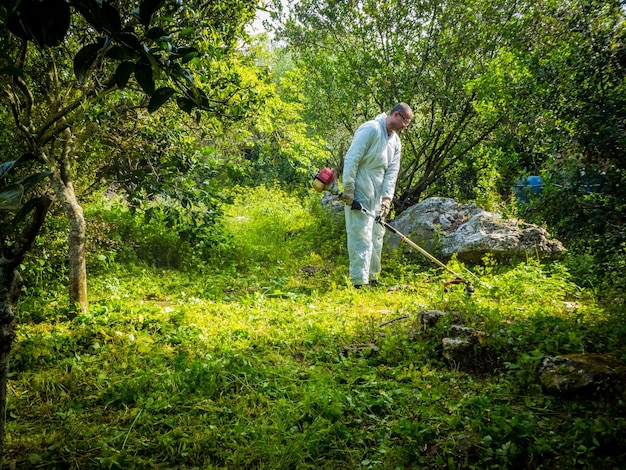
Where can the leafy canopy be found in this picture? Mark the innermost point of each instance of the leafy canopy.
(147, 42)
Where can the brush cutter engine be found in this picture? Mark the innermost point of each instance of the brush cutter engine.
(326, 180)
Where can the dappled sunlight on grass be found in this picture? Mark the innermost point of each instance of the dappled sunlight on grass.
(304, 378)
(270, 359)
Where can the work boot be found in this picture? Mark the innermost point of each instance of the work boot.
(377, 283)
(362, 286)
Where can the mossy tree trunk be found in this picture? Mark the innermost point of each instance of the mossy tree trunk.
(64, 189)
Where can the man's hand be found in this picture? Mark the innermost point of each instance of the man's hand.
(348, 195)
(385, 207)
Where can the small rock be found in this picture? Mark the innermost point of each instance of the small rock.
(583, 375)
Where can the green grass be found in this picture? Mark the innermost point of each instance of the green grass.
(265, 358)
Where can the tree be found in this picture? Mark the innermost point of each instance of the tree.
(356, 59)
(576, 54)
(57, 59)
(49, 87)
(20, 223)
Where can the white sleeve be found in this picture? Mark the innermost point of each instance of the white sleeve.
(391, 174)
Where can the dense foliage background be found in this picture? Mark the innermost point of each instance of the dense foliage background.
(220, 330)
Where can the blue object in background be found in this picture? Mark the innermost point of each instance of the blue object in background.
(526, 188)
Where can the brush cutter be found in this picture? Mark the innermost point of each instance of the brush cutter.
(356, 205)
(326, 180)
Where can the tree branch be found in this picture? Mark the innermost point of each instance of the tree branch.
(30, 231)
(55, 123)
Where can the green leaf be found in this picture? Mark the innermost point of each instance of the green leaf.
(187, 53)
(10, 70)
(6, 166)
(185, 104)
(177, 71)
(84, 60)
(11, 197)
(187, 32)
(131, 42)
(24, 210)
(143, 75)
(109, 18)
(147, 9)
(117, 52)
(45, 22)
(101, 15)
(32, 180)
(190, 56)
(123, 73)
(159, 97)
(157, 33)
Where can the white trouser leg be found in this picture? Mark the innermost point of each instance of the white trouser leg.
(359, 228)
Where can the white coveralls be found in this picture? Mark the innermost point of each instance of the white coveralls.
(371, 165)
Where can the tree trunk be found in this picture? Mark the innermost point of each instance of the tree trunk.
(64, 189)
(11, 257)
(7, 335)
(76, 251)
(76, 244)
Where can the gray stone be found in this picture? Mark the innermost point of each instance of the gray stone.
(332, 202)
(443, 228)
(583, 375)
(462, 347)
(429, 318)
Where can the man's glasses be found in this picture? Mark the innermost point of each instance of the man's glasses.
(406, 121)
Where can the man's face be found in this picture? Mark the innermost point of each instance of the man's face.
(402, 120)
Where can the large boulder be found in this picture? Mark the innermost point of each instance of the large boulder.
(443, 227)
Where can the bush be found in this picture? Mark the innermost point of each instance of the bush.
(586, 214)
(267, 226)
(164, 233)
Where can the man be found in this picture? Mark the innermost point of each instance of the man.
(370, 172)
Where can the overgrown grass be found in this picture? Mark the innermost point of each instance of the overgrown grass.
(264, 358)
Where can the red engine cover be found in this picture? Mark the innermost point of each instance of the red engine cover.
(326, 176)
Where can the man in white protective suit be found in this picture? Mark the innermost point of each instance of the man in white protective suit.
(370, 172)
